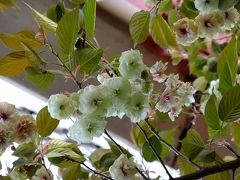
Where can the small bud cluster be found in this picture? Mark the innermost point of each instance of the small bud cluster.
(14, 126)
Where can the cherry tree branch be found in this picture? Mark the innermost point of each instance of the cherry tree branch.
(232, 165)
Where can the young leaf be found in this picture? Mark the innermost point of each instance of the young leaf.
(87, 58)
(188, 9)
(161, 32)
(67, 30)
(229, 107)
(90, 17)
(5, 4)
(225, 4)
(165, 5)
(77, 2)
(13, 64)
(41, 79)
(193, 144)
(212, 118)
(55, 144)
(46, 23)
(173, 16)
(14, 40)
(33, 57)
(25, 151)
(56, 12)
(148, 153)
(139, 26)
(168, 136)
(206, 156)
(45, 123)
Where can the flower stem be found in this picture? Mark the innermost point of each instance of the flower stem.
(122, 151)
(173, 149)
(154, 151)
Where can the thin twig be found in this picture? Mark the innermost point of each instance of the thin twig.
(154, 151)
(231, 149)
(64, 65)
(173, 149)
(122, 151)
(95, 172)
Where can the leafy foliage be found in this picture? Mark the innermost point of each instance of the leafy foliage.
(90, 17)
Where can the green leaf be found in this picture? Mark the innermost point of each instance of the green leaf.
(236, 135)
(40, 78)
(188, 9)
(55, 144)
(161, 32)
(87, 58)
(46, 23)
(32, 56)
(229, 107)
(90, 17)
(67, 30)
(56, 12)
(45, 123)
(64, 157)
(185, 167)
(13, 64)
(193, 144)
(165, 5)
(14, 40)
(74, 172)
(25, 151)
(116, 150)
(228, 57)
(96, 156)
(168, 136)
(173, 17)
(206, 156)
(139, 26)
(225, 82)
(5, 4)
(225, 4)
(148, 153)
(212, 118)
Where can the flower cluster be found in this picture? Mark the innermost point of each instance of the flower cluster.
(114, 97)
(14, 126)
(176, 94)
(207, 24)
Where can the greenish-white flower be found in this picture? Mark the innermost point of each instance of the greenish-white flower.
(210, 23)
(74, 99)
(231, 17)
(86, 127)
(131, 64)
(206, 5)
(8, 113)
(94, 100)
(119, 90)
(186, 31)
(137, 107)
(158, 71)
(185, 93)
(25, 129)
(60, 106)
(42, 174)
(123, 168)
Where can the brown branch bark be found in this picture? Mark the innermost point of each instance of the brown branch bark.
(232, 165)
